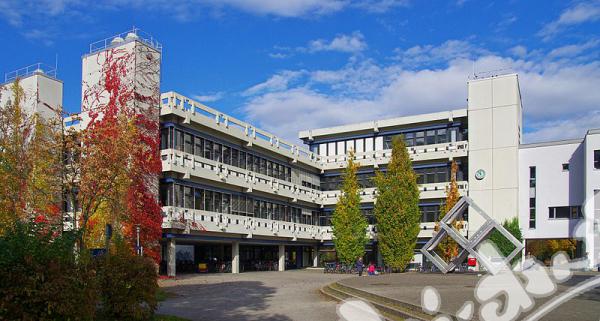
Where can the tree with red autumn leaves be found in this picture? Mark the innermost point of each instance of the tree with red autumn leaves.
(120, 165)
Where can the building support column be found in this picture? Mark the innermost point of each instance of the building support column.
(171, 257)
(235, 257)
(315, 255)
(281, 264)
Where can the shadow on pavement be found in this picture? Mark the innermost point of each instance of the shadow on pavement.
(231, 301)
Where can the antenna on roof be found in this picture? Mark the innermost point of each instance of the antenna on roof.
(55, 65)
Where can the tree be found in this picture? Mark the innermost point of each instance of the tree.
(348, 223)
(448, 248)
(397, 208)
(30, 162)
(502, 243)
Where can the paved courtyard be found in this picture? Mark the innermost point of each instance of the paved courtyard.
(265, 296)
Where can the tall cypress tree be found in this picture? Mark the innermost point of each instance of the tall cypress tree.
(448, 248)
(397, 208)
(348, 223)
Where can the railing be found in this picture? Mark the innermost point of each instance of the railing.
(416, 153)
(38, 68)
(206, 168)
(232, 126)
(130, 35)
(189, 220)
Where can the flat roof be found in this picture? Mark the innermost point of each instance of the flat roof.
(377, 124)
(552, 143)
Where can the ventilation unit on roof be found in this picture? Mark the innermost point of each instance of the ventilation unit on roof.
(117, 40)
(131, 36)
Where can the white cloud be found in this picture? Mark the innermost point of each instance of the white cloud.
(277, 82)
(430, 54)
(352, 43)
(577, 14)
(209, 97)
(573, 50)
(518, 51)
(556, 93)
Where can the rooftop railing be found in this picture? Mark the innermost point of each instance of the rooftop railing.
(38, 68)
(124, 37)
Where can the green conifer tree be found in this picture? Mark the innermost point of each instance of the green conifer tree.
(348, 223)
(397, 208)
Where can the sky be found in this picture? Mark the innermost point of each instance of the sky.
(292, 65)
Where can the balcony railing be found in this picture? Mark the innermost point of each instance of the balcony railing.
(192, 165)
(367, 195)
(190, 110)
(417, 153)
(189, 220)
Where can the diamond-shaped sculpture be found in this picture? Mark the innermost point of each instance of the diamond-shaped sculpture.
(468, 246)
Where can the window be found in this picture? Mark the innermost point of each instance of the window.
(178, 140)
(532, 206)
(188, 197)
(217, 152)
(188, 143)
(430, 137)
(409, 138)
(565, 167)
(564, 212)
(208, 201)
(597, 159)
(442, 136)
(420, 138)
(199, 199)
(226, 155)
(208, 149)
(235, 157)
(430, 213)
(199, 148)
(165, 138)
(243, 160)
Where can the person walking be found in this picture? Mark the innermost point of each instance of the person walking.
(359, 266)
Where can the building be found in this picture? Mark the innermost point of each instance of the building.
(236, 198)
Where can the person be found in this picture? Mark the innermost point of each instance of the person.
(371, 270)
(359, 266)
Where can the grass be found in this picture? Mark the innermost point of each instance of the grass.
(162, 295)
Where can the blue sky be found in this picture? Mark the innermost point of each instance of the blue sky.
(299, 64)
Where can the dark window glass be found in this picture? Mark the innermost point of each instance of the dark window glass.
(257, 164)
(178, 196)
(226, 208)
(208, 201)
(166, 194)
(199, 149)
(208, 149)
(270, 168)
(226, 155)
(420, 138)
(188, 197)
(430, 137)
(597, 159)
(165, 138)
(565, 167)
(218, 199)
(532, 202)
(199, 199)
(263, 166)
(235, 157)
(243, 160)
(178, 140)
(409, 138)
(442, 136)
(217, 152)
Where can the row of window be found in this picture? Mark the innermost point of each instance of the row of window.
(188, 143)
(414, 138)
(428, 175)
(202, 199)
(532, 180)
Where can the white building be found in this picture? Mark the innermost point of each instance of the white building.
(240, 196)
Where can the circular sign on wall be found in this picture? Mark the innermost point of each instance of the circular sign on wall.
(480, 174)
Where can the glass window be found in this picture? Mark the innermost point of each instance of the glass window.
(269, 210)
(188, 143)
(199, 149)
(288, 176)
(360, 145)
(256, 208)
(178, 196)
(208, 149)
(430, 137)
(341, 149)
(442, 136)
(597, 159)
(166, 194)
(226, 155)
(565, 167)
(263, 209)
(226, 203)
(263, 166)
(178, 140)
(409, 139)
(350, 146)
(218, 199)
(165, 138)
(235, 157)
(243, 160)
(257, 164)
(199, 199)
(270, 168)
(208, 201)
(442, 175)
(419, 138)
(217, 152)
(188, 197)
(331, 149)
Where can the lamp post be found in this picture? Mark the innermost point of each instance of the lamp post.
(137, 242)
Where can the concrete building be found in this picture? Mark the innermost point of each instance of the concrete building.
(236, 198)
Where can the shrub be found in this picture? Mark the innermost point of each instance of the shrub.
(41, 279)
(127, 285)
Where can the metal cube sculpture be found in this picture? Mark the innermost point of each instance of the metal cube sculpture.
(468, 246)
